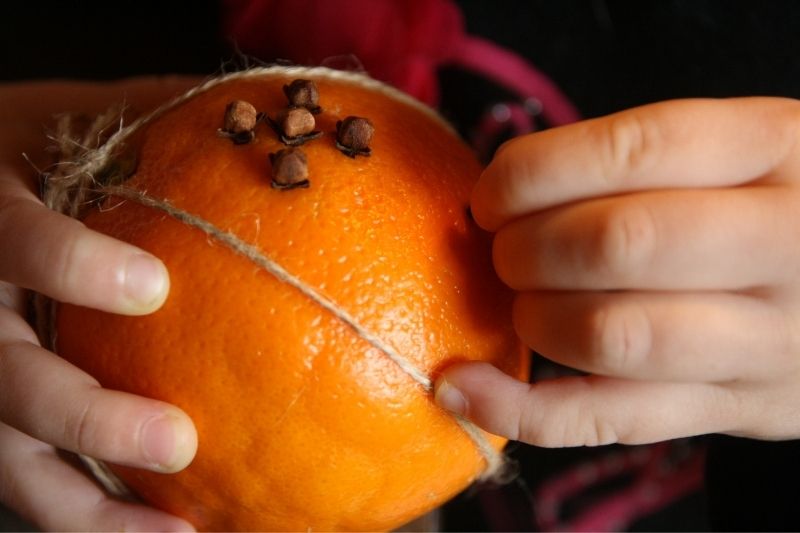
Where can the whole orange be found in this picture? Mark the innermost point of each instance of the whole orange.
(301, 383)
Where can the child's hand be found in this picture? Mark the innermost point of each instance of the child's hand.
(45, 403)
(657, 249)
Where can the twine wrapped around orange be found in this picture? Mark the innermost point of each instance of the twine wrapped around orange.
(304, 325)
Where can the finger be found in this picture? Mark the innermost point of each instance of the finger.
(588, 411)
(695, 337)
(683, 143)
(730, 239)
(58, 256)
(56, 496)
(53, 401)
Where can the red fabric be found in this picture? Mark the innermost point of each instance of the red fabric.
(402, 42)
(398, 42)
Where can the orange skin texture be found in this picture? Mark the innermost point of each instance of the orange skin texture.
(302, 424)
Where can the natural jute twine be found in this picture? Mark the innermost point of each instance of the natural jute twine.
(82, 177)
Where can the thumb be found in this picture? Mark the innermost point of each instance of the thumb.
(483, 394)
(586, 410)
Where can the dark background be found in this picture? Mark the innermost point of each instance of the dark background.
(605, 54)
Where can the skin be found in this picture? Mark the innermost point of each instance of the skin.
(47, 404)
(657, 251)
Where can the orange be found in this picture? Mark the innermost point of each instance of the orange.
(303, 424)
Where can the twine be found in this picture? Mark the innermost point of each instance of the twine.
(255, 255)
(84, 175)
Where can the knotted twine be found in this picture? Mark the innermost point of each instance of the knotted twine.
(86, 173)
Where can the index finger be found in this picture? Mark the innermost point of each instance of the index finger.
(680, 143)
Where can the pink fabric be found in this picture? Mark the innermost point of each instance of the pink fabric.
(513, 72)
(661, 475)
(402, 42)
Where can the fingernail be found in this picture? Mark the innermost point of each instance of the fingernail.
(146, 281)
(450, 398)
(165, 443)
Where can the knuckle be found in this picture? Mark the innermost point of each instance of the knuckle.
(66, 260)
(575, 423)
(622, 338)
(581, 427)
(630, 141)
(626, 242)
(79, 429)
(531, 425)
(595, 431)
(586, 427)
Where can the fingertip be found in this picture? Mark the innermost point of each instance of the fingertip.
(481, 202)
(449, 397)
(168, 441)
(496, 194)
(460, 384)
(145, 284)
(482, 393)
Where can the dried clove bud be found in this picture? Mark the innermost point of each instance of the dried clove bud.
(240, 116)
(353, 135)
(296, 122)
(303, 93)
(295, 126)
(239, 122)
(289, 168)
